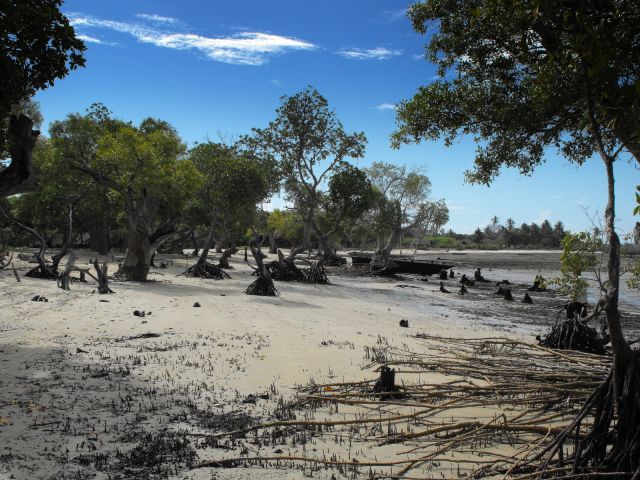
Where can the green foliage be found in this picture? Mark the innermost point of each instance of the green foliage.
(284, 224)
(308, 142)
(636, 210)
(634, 279)
(37, 46)
(401, 195)
(551, 72)
(579, 255)
(350, 194)
(233, 184)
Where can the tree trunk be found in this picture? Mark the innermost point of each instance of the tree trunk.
(328, 256)
(224, 259)
(100, 238)
(208, 242)
(305, 240)
(65, 276)
(66, 246)
(273, 245)
(621, 350)
(103, 280)
(15, 178)
(137, 262)
(382, 254)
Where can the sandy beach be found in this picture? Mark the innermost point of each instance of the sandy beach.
(87, 386)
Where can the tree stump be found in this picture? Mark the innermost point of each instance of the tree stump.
(103, 280)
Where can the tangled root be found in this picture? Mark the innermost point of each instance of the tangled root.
(317, 274)
(286, 271)
(206, 270)
(263, 287)
(574, 334)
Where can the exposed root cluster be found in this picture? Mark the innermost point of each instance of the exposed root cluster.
(263, 287)
(316, 274)
(574, 334)
(464, 408)
(206, 270)
(285, 271)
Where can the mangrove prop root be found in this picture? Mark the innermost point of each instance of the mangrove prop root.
(316, 274)
(574, 334)
(263, 287)
(538, 413)
(285, 271)
(206, 270)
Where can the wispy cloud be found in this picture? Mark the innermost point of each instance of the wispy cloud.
(276, 83)
(90, 39)
(152, 17)
(543, 215)
(378, 53)
(246, 48)
(390, 16)
(385, 106)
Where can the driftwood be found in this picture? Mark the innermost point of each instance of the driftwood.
(538, 414)
(15, 272)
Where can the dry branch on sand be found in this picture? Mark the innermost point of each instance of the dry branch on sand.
(531, 409)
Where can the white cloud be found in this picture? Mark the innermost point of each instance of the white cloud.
(246, 48)
(378, 53)
(276, 83)
(543, 215)
(390, 16)
(90, 39)
(385, 106)
(156, 18)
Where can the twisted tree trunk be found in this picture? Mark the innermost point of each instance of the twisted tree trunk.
(16, 177)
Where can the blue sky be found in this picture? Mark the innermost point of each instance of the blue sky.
(216, 68)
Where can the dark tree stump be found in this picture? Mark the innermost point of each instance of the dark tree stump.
(103, 280)
(574, 309)
(387, 381)
(16, 177)
(527, 298)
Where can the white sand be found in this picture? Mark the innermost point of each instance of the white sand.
(213, 356)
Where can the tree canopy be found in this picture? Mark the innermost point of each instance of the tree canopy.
(37, 46)
(525, 76)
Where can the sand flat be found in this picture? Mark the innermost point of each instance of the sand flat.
(81, 379)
